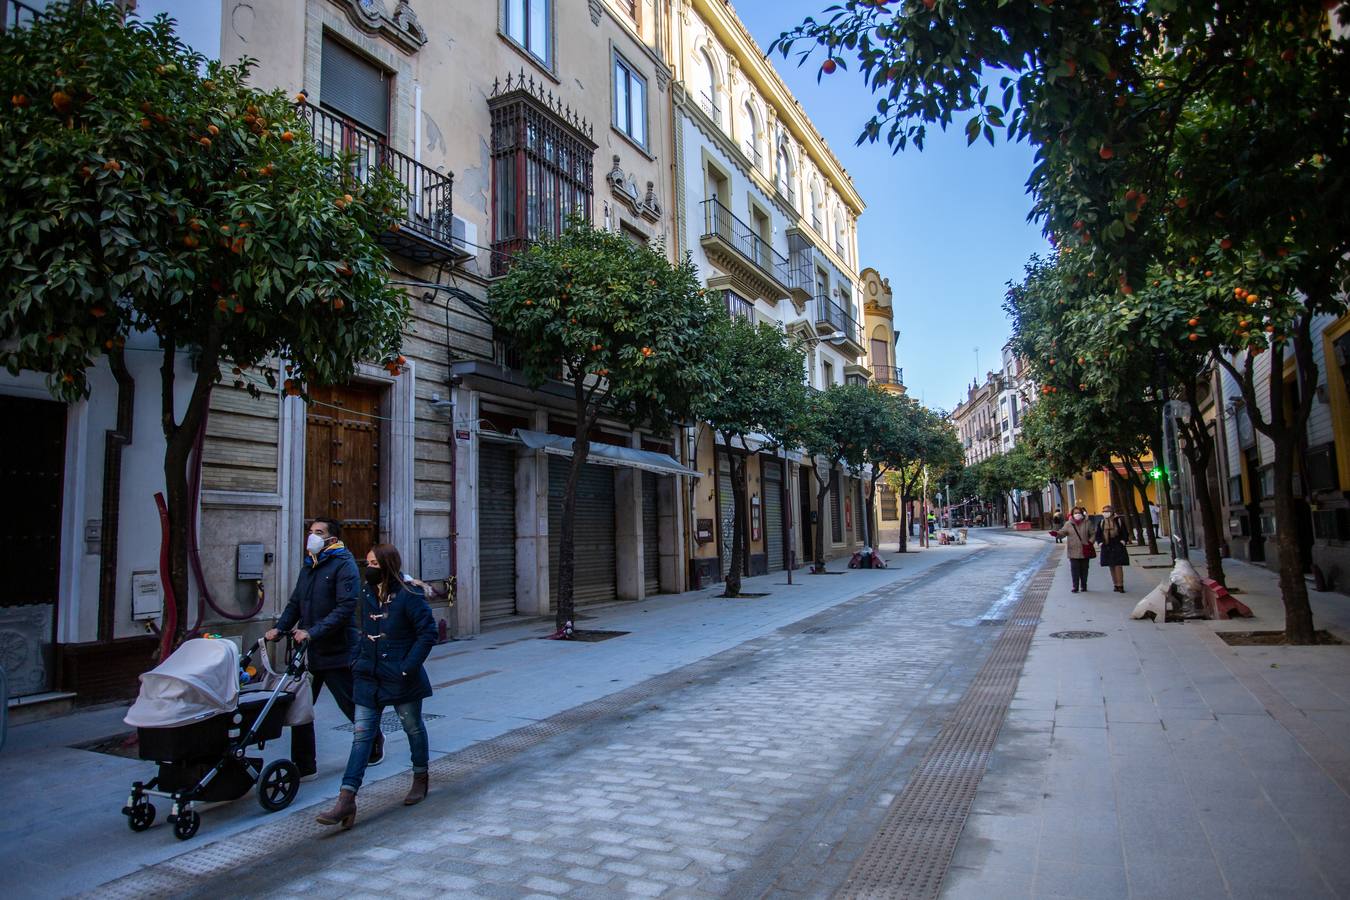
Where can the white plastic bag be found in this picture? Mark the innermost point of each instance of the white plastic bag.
(1154, 602)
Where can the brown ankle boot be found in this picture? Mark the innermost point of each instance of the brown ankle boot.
(344, 811)
(418, 792)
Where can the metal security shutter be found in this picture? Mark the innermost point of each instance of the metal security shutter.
(496, 530)
(354, 87)
(726, 510)
(773, 513)
(651, 535)
(594, 579)
(836, 510)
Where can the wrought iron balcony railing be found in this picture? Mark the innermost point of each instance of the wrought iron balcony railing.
(830, 313)
(888, 375)
(719, 222)
(426, 233)
(17, 14)
(709, 106)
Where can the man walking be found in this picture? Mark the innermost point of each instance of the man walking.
(320, 612)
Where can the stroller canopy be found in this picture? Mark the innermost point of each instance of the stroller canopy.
(200, 679)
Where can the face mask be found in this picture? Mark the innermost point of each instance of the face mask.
(314, 544)
(374, 575)
(1078, 517)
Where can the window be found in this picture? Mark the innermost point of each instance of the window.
(751, 145)
(630, 102)
(541, 173)
(826, 374)
(886, 500)
(738, 307)
(354, 88)
(529, 23)
(635, 237)
(786, 181)
(816, 206)
(705, 86)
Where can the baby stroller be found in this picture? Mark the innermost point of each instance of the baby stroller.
(194, 721)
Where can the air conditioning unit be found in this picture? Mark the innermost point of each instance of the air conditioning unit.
(464, 235)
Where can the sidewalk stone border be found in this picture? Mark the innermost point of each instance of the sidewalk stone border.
(198, 866)
(910, 854)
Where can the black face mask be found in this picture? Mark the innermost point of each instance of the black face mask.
(374, 576)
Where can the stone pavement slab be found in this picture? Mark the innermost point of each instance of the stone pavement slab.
(1158, 761)
(56, 797)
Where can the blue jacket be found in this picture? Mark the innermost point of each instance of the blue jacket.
(322, 603)
(392, 641)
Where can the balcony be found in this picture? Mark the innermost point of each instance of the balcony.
(16, 14)
(830, 317)
(890, 377)
(734, 247)
(801, 269)
(710, 107)
(425, 235)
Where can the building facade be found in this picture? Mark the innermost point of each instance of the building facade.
(770, 219)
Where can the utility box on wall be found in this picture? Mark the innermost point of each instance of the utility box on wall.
(250, 562)
(147, 596)
(434, 562)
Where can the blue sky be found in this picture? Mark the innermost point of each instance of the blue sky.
(946, 225)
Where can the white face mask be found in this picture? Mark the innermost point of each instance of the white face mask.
(314, 544)
(1078, 517)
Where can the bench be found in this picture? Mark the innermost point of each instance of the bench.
(1219, 604)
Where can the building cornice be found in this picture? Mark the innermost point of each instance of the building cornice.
(736, 40)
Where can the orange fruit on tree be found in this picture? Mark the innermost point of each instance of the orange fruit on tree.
(288, 136)
(1192, 322)
(204, 141)
(61, 101)
(213, 130)
(1192, 336)
(338, 303)
(18, 100)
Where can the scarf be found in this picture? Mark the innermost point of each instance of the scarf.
(325, 553)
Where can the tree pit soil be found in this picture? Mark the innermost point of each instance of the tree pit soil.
(1273, 638)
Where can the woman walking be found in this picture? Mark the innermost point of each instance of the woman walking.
(1078, 547)
(1111, 534)
(394, 632)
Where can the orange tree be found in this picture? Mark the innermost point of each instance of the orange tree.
(626, 330)
(833, 428)
(143, 189)
(759, 391)
(1185, 135)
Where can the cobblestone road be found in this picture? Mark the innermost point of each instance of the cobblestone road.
(764, 770)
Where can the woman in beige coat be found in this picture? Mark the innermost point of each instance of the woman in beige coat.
(1078, 546)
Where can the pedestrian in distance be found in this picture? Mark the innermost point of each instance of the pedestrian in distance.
(1078, 547)
(1155, 513)
(1058, 521)
(320, 611)
(1112, 532)
(394, 633)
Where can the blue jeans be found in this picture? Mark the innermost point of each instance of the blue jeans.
(368, 725)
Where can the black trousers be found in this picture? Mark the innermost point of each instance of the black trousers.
(1078, 571)
(339, 681)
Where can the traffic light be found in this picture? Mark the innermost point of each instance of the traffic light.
(1156, 473)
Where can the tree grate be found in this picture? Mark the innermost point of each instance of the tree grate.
(910, 854)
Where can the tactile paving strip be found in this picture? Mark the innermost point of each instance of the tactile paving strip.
(199, 866)
(909, 856)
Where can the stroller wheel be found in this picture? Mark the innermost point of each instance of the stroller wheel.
(142, 816)
(278, 784)
(185, 824)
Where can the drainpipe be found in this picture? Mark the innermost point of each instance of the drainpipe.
(114, 440)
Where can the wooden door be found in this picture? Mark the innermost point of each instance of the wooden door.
(342, 461)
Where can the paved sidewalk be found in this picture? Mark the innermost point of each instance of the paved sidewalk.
(56, 798)
(1158, 761)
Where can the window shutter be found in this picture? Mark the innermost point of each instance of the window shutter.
(354, 87)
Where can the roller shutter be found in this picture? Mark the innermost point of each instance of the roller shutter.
(773, 513)
(836, 510)
(594, 579)
(351, 85)
(726, 510)
(651, 535)
(496, 529)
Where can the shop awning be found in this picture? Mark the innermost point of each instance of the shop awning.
(605, 454)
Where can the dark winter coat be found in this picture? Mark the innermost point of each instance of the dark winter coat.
(322, 603)
(1113, 551)
(392, 640)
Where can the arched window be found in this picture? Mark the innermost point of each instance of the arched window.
(787, 179)
(840, 232)
(705, 86)
(752, 144)
(817, 209)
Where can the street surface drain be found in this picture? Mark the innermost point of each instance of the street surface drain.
(909, 856)
(389, 722)
(1078, 635)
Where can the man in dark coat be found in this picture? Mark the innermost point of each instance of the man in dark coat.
(320, 612)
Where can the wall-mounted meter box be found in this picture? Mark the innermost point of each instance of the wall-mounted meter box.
(147, 596)
(434, 564)
(250, 564)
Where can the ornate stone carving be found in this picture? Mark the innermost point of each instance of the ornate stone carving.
(401, 27)
(596, 11)
(625, 189)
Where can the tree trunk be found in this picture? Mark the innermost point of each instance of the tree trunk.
(1147, 520)
(1199, 450)
(733, 580)
(581, 447)
(871, 506)
(821, 494)
(1298, 620)
(904, 519)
